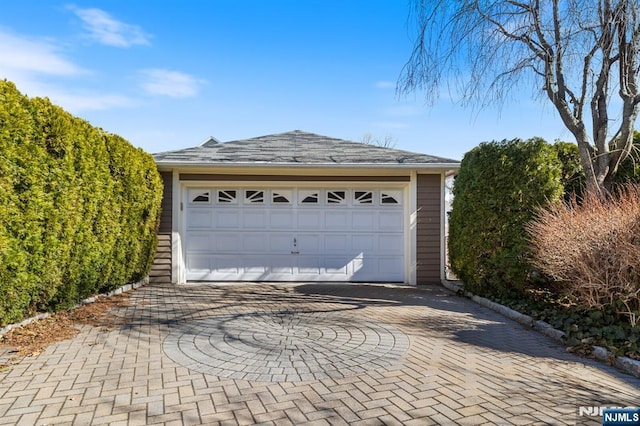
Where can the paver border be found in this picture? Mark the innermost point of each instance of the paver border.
(622, 363)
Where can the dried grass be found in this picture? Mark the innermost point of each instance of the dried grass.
(34, 337)
(592, 249)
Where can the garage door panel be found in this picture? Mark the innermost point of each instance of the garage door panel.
(308, 265)
(358, 265)
(309, 219)
(308, 243)
(356, 239)
(253, 242)
(199, 219)
(254, 265)
(280, 242)
(254, 219)
(336, 243)
(390, 220)
(199, 263)
(363, 220)
(282, 220)
(390, 267)
(336, 265)
(337, 220)
(227, 219)
(199, 241)
(226, 242)
(364, 242)
(282, 268)
(228, 264)
(390, 243)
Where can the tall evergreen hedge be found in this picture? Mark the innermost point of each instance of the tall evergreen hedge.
(79, 208)
(497, 190)
(629, 170)
(572, 176)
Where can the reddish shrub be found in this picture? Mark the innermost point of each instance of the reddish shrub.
(592, 249)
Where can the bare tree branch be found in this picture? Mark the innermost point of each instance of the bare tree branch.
(576, 52)
(387, 142)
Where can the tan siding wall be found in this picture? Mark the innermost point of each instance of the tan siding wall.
(428, 230)
(161, 269)
(167, 203)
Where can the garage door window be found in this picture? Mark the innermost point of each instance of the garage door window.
(309, 197)
(363, 197)
(229, 196)
(390, 197)
(355, 197)
(281, 197)
(336, 197)
(254, 197)
(199, 196)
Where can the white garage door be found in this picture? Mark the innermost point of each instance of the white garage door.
(294, 234)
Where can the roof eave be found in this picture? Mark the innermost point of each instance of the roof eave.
(411, 166)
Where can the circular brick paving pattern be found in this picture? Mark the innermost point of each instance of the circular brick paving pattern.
(285, 346)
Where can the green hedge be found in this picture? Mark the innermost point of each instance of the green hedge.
(79, 208)
(629, 170)
(572, 175)
(498, 188)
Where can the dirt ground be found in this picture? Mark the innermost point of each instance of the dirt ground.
(33, 338)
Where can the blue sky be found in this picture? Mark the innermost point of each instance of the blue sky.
(168, 74)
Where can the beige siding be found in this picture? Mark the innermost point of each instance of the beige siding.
(428, 229)
(167, 203)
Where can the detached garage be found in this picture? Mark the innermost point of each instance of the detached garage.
(299, 206)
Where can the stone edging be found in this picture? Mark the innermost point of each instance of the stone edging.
(88, 300)
(626, 364)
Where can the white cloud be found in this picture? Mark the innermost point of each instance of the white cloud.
(103, 28)
(34, 64)
(385, 84)
(73, 100)
(19, 55)
(76, 102)
(175, 84)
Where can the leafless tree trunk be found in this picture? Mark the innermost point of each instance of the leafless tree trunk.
(579, 53)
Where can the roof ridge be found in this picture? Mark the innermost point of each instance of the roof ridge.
(290, 132)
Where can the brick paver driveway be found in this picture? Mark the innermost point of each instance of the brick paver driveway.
(308, 354)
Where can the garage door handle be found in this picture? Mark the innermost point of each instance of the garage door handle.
(295, 252)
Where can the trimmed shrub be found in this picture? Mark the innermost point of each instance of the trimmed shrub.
(592, 249)
(79, 208)
(629, 169)
(572, 176)
(498, 188)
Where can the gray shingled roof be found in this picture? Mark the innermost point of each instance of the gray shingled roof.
(295, 147)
